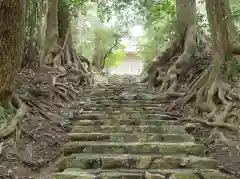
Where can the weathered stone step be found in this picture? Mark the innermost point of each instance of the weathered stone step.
(144, 115)
(122, 109)
(125, 122)
(118, 112)
(124, 137)
(115, 105)
(121, 88)
(90, 115)
(74, 173)
(116, 100)
(161, 148)
(106, 161)
(166, 129)
(137, 93)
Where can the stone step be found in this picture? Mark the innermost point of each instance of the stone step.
(124, 122)
(111, 109)
(121, 105)
(74, 173)
(118, 108)
(161, 148)
(124, 137)
(166, 129)
(118, 112)
(90, 115)
(145, 114)
(128, 161)
(116, 100)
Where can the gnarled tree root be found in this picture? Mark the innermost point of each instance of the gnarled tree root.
(65, 59)
(199, 82)
(21, 112)
(170, 79)
(213, 99)
(170, 82)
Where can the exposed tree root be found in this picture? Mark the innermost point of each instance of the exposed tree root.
(168, 95)
(170, 80)
(67, 62)
(216, 99)
(159, 63)
(197, 84)
(21, 112)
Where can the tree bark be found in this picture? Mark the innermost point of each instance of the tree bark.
(51, 33)
(218, 17)
(12, 14)
(221, 68)
(65, 34)
(98, 53)
(64, 20)
(32, 41)
(185, 15)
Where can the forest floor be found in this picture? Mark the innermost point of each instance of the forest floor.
(228, 157)
(42, 133)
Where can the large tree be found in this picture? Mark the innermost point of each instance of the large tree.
(216, 89)
(59, 52)
(11, 43)
(216, 94)
(183, 46)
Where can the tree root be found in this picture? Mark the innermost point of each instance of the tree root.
(65, 59)
(158, 64)
(61, 95)
(205, 123)
(171, 80)
(168, 95)
(21, 112)
(215, 98)
(197, 84)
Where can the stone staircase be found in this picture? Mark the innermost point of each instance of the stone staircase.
(127, 136)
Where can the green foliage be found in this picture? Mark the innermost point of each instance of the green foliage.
(159, 22)
(105, 34)
(90, 27)
(5, 116)
(235, 4)
(202, 21)
(115, 59)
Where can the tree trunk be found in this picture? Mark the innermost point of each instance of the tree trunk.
(31, 43)
(64, 20)
(98, 53)
(11, 43)
(215, 95)
(51, 33)
(218, 12)
(59, 52)
(221, 71)
(183, 45)
(186, 15)
(65, 34)
(51, 48)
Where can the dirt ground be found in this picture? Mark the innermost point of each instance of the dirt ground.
(228, 157)
(38, 138)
